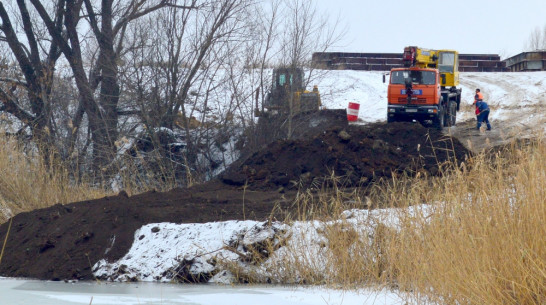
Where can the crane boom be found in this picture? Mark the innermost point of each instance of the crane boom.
(446, 61)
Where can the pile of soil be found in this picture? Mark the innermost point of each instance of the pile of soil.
(65, 241)
(272, 127)
(62, 242)
(358, 155)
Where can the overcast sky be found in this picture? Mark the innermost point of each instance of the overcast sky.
(469, 26)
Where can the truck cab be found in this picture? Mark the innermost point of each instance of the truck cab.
(413, 94)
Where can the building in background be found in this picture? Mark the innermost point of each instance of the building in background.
(527, 61)
(387, 61)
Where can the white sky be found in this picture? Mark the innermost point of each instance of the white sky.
(469, 26)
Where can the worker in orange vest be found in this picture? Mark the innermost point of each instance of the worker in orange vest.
(477, 97)
(483, 114)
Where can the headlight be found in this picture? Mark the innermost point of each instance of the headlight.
(392, 110)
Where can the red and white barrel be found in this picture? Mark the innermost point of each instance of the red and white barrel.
(352, 112)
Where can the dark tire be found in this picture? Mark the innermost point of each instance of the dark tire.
(390, 119)
(439, 121)
(452, 114)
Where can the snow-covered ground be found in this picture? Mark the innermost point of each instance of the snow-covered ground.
(506, 93)
(167, 251)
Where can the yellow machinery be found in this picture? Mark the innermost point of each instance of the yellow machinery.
(288, 95)
(446, 61)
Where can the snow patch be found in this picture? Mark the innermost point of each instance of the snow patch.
(199, 252)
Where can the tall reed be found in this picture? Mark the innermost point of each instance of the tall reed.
(474, 235)
(28, 183)
(484, 241)
(480, 238)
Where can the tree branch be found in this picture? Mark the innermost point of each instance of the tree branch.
(15, 45)
(11, 106)
(13, 81)
(135, 13)
(92, 19)
(31, 38)
(52, 27)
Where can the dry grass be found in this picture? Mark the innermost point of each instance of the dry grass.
(480, 238)
(483, 240)
(27, 184)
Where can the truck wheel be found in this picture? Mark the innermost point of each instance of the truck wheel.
(390, 119)
(438, 122)
(452, 115)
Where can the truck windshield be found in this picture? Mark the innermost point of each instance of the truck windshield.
(446, 62)
(417, 77)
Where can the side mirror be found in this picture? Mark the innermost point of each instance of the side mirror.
(409, 86)
(385, 76)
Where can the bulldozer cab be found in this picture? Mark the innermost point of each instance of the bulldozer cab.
(286, 81)
(288, 94)
(287, 78)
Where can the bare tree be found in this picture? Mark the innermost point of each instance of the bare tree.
(537, 39)
(162, 64)
(27, 95)
(173, 77)
(97, 82)
(304, 31)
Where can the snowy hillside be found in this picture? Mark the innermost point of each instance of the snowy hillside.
(505, 92)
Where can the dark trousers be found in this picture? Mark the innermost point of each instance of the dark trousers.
(484, 117)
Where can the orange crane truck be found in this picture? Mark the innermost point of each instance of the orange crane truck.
(425, 89)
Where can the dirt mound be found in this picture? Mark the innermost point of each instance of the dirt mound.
(65, 241)
(357, 154)
(302, 126)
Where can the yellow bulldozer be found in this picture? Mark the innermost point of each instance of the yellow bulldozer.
(290, 111)
(288, 95)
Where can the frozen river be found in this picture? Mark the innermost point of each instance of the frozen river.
(15, 291)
